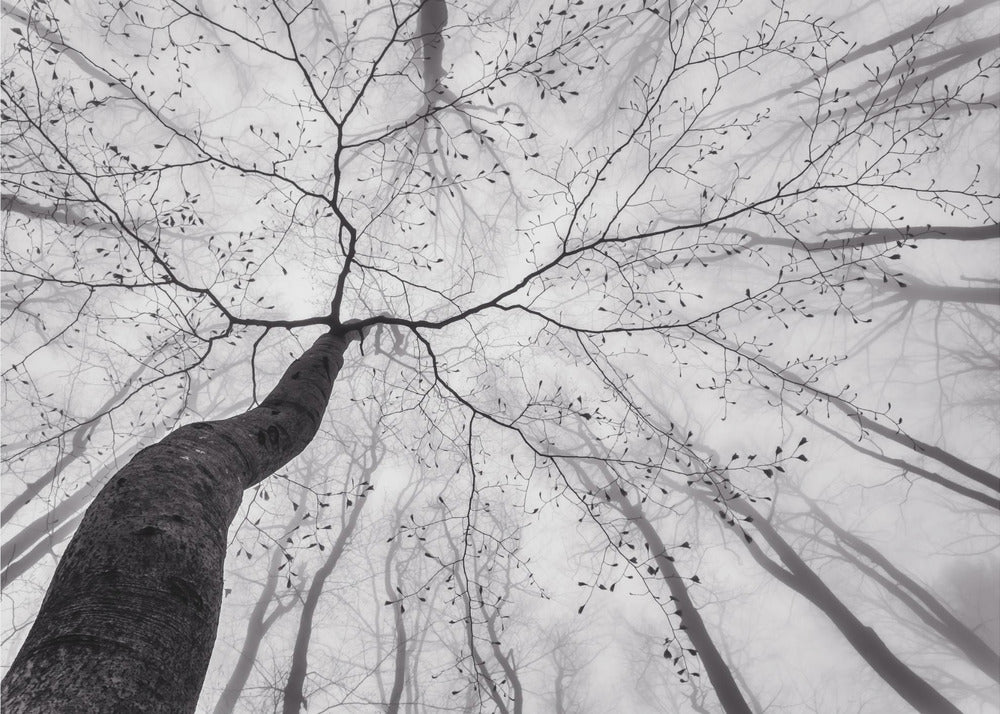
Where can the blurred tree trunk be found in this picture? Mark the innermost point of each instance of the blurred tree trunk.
(483, 677)
(980, 476)
(911, 593)
(507, 663)
(257, 626)
(804, 580)
(259, 623)
(911, 468)
(129, 619)
(893, 433)
(43, 541)
(433, 18)
(294, 697)
(77, 449)
(399, 660)
(718, 671)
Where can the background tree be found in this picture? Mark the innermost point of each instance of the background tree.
(595, 250)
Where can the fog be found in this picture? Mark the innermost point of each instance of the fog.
(669, 335)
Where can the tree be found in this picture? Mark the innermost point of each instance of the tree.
(138, 591)
(585, 251)
(293, 695)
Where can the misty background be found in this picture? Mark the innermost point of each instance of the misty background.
(687, 303)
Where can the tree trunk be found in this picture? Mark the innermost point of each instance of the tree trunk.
(506, 663)
(801, 578)
(483, 678)
(980, 476)
(907, 467)
(431, 22)
(258, 624)
(399, 676)
(560, 690)
(294, 696)
(129, 619)
(719, 673)
(42, 548)
(936, 615)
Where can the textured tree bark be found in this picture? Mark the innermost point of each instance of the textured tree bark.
(129, 619)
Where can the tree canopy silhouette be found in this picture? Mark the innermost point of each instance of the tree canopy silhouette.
(658, 332)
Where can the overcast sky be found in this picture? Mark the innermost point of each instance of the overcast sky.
(640, 257)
